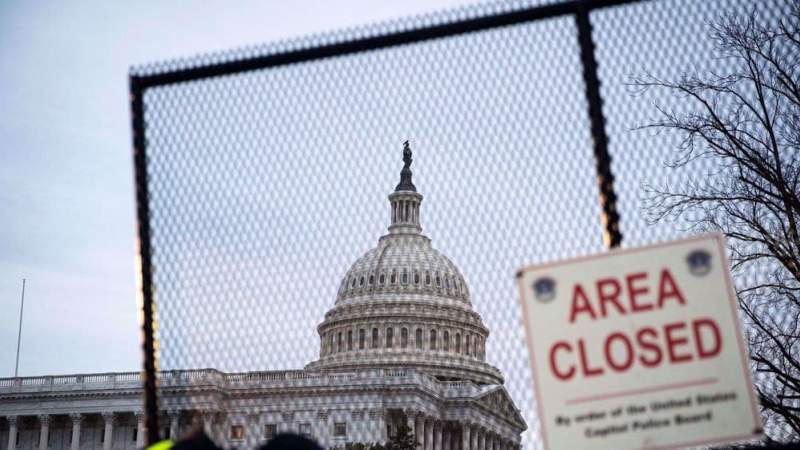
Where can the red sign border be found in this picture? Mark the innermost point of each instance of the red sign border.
(744, 356)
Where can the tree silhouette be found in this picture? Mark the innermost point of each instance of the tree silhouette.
(402, 440)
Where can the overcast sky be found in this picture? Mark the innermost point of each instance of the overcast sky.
(66, 192)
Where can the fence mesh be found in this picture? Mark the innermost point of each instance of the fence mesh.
(266, 185)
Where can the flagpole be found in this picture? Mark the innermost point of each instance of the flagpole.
(19, 335)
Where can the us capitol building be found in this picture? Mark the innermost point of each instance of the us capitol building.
(401, 345)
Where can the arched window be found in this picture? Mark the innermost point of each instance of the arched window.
(374, 338)
(416, 277)
(339, 342)
(458, 342)
(404, 278)
(371, 279)
(428, 278)
(389, 337)
(349, 339)
(404, 338)
(446, 341)
(361, 281)
(382, 279)
(330, 343)
(353, 283)
(419, 338)
(438, 280)
(361, 339)
(433, 340)
(447, 282)
(394, 277)
(475, 346)
(467, 338)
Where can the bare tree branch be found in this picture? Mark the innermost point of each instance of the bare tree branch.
(746, 123)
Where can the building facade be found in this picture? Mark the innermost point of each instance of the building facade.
(401, 345)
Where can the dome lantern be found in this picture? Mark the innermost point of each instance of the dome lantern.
(405, 200)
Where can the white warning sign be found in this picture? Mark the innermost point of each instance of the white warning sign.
(639, 348)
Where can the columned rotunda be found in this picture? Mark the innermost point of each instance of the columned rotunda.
(401, 345)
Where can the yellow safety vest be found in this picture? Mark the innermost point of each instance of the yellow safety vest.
(166, 444)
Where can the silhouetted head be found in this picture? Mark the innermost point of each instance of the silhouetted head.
(290, 441)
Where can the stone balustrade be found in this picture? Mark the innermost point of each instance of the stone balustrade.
(184, 378)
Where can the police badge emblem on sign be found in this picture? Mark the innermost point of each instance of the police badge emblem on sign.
(639, 348)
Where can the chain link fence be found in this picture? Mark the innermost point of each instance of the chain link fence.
(262, 173)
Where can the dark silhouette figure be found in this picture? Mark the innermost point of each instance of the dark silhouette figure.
(290, 441)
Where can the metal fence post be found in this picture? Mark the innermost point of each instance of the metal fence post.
(145, 263)
(605, 179)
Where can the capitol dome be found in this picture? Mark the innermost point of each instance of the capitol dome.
(403, 304)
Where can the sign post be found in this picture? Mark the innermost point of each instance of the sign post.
(639, 348)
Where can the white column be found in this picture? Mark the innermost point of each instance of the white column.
(382, 421)
(174, 421)
(446, 438)
(220, 430)
(482, 440)
(140, 431)
(44, 433)
(410, 423)
(108, 433)
(465, 437)
(473, 443)
(429, 434)
(286, 425)
(489, 441)
(253, 433)
(437, 445)
(12, 432)
(208, 423)
(76, 418)
(419, 431)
